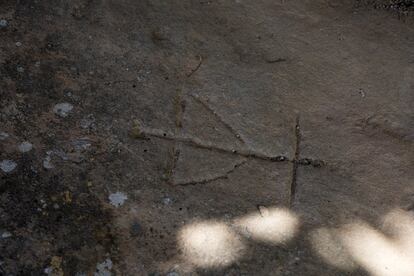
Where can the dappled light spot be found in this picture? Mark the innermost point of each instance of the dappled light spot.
(385, 253)
(210, 244)
(375, 252)
(328, 246)
(274, 225)
(400, 225)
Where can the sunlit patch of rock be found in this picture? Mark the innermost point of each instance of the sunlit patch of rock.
(270, 225)
(210, 244)
(385, 252)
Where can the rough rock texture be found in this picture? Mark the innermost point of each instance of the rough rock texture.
(239, 137)
(403, 8)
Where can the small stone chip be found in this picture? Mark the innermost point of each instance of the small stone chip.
(167, 200)
(25, 146)
(117, 199)
(6, 235)
(3, 135)
(7, 166)
(62, 109)
(47, 163)
(48, 270)
(3, 23)
(104, 268)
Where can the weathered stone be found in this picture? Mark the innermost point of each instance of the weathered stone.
(8, 166)
(63, 109)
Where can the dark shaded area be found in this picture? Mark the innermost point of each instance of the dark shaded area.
(400, 6)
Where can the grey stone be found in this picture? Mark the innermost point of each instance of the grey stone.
(117, 199)
(47, 163)
(167, 200)
(3, 23)
(48, 270)
(25, 146)
(6, 235)
(63, 109)
(104, 268)
(7, 166)
(3, 135)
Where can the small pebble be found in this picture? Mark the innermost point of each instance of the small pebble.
(47, 163)
(62, 109)
(3, 135)
(18, 44)
(167, 200)
(7, 166)
(48, 270)
(20, 69)
(117, 199)
(37, 64)
(25, 147)
(3, 23)
(104, 268)
(6, 235)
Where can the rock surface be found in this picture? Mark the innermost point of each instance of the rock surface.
(244, 138)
